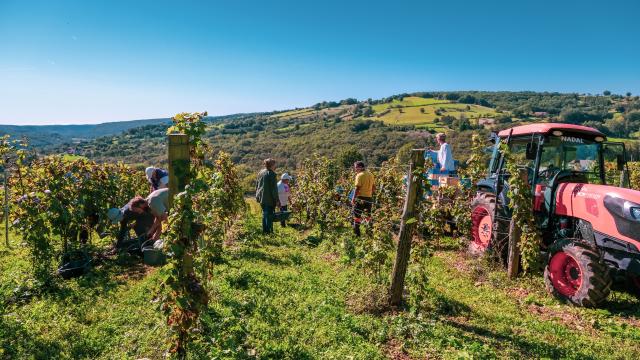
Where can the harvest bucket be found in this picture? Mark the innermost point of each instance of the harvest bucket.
(152, 255)
(74, 264)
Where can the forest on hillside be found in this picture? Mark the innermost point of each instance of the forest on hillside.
(347, 127)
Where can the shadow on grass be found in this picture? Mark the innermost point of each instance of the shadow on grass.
(532, 349)
(16, 342)
(105, 276)
(621, 306)
(453, 313)
(261, 255)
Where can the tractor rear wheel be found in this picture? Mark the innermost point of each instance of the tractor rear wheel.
(574, 273)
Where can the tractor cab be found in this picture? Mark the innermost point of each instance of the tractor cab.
(553, 154)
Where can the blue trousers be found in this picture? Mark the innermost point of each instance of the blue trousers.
(267, 218)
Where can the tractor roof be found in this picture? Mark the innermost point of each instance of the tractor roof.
(546, 128)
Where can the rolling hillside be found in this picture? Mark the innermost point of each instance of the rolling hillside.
(424, 113)
(48, 135)
(376, 128)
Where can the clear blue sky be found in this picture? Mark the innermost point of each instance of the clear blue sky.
(94, 61)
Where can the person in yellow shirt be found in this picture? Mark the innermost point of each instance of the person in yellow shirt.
(363, 195)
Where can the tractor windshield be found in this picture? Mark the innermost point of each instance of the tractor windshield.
(570, 153)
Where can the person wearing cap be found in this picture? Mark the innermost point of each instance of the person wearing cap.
(158, 202)
(267, 194)
(157, 178)
(136, 211)
(363, 195)
(284, 191)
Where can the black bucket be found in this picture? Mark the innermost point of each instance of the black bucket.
(152, 256)
(74, 264)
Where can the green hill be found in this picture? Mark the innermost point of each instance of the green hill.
(376, 128)
(425, 113)
(47, 135)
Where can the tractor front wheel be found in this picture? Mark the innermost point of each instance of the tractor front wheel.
(574, 273)
(482, 210)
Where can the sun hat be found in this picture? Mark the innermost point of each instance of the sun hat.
(149, 171)
(115, 215)
(285, 176)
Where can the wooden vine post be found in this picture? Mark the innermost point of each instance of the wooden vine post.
(513, 257)
(179, 163)
(407, 226)
(515, 233)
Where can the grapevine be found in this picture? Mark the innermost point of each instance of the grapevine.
(522, 215)
(63, 201)
(387, 209)
(313, 197)
(198, 222)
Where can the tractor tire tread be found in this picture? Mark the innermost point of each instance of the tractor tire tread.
(596, 278)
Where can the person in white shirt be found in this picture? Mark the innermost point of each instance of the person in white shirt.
(284, 191)
(445, 158)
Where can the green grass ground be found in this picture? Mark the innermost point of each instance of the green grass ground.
(293, 113)
(422, 112)
(288, 297)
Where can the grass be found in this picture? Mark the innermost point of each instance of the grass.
(422, 112)
(284, 297)
(293, 113)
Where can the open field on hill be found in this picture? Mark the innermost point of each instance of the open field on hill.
(422, 112)
(291, 296)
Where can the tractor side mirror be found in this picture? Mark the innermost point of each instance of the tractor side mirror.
(620, 162)
(531, 151)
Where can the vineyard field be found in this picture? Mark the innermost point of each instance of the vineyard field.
(281, 297)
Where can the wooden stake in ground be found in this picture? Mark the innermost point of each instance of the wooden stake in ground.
(179, 164)
(406, 229)
(513, 257)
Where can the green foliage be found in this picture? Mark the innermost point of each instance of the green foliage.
(200, 218)
(634, 175)
(404, 153)
(520, 204)
(378, 243)
(292, 301)
(313, 197)
(347, 156)
(183, 297)
(218, 202)
(478, 161)
(191, 124)
(66, 200)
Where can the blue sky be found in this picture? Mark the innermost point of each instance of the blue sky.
(96, 61)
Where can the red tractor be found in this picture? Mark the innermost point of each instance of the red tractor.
(588, 217)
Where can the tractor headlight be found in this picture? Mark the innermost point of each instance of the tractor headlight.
(635, 213)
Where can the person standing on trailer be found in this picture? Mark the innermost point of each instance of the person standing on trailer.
(445, 157)
(267, 194)
(284, 191)
(157, 178)
(363, 195)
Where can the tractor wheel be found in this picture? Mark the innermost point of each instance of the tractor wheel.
(574, 273)
(483, 234)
